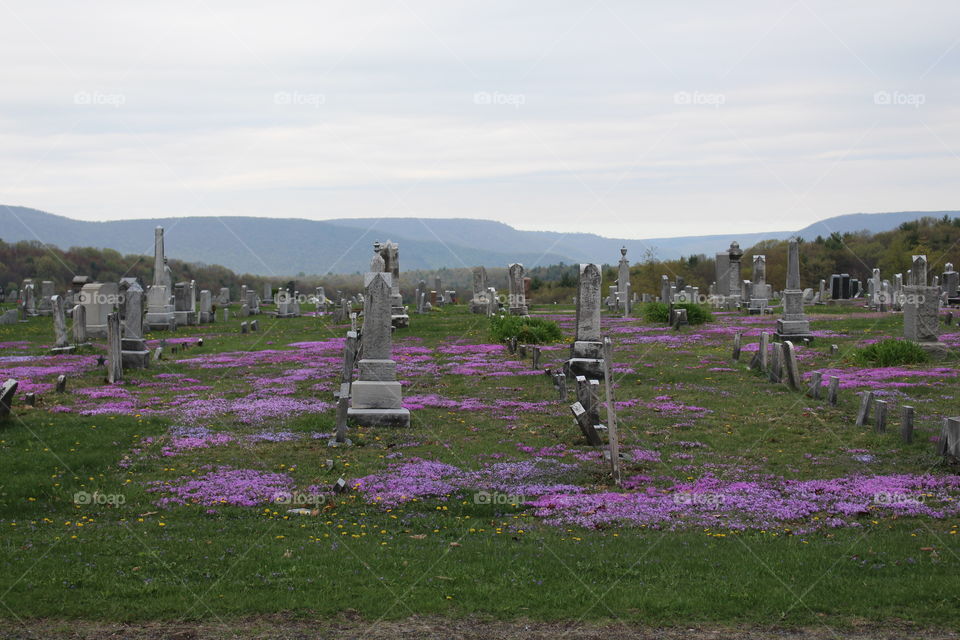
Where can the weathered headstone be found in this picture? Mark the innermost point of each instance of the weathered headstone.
(737, 337)
(376, 395)
(61, 341)
(390, 252)
(160, 307)
(114, 349)
(100, 300)
(206, 307)
(479, 303)
(816, 379)
(863, 414)
(790, 365)
(517, 296)
(244, 328)
(79, 318)
(794, 324)
(623, 283)
(775, 372)
(921, 305)
(586, 350)
(759, 289)
(906, 424)
(7, 391)
(586, 426)
(134, 351)
(833, 391)
(880, 416)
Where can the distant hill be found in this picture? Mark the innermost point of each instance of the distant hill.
(289, 246)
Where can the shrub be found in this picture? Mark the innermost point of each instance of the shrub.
(525, 330)
(660, 312)
(891, 353)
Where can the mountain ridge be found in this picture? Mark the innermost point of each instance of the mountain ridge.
(291, 246)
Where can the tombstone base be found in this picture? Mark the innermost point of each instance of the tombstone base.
(186, 317)
(135, 359)
(375, 394)
(160, 321)
(206, 317)
(379, 417)
(794, 330)
(479, 308)
(333, 443)
(399, 321)
(519, 311)
(590, 368)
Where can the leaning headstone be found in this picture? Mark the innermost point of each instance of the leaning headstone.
(376, 396)
(586, 426)
(586, 350)
(949, 443)
(7, 391)
(880, 416)
(906, 424)
(114, 349)
(737, 337)
(790, 365)
(340, 438)
(863, 414)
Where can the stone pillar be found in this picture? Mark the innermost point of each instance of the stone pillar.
(134, 352)
(735, 253)
(376, 395)
(160, 312)
(623, 283)
(793, 325)
(206, 306)
(114, 349)
(722, 274)
(759, 289)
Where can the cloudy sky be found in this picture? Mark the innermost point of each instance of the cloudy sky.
(631, 119)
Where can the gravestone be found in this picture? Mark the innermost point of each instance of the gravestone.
(7, 391)
(183, 304)
(950, 283)
(223, 299)
(794, 324)
(906, 424)
(816, 379)
(114, 350)
(350, 350)
(880, 417)
(921, 305)
(678, 318)
(160, 307)
(586, 357)
(46, 293)
(390, 252)
(438, 287)
(61, 341)
(244, 328)
(267, 293)
(790, 365)
(479, 303)
(863, 413)
(722, 274)
(100, 299)
(737, 337)
(735, 254)
(206, 307)
(254, 325)
(623, 283)
(517, 299)
(833, 391)
(759, 289)
(376, 395)
(79, 318)
(61, 383)
(134, 351)
(9, 316)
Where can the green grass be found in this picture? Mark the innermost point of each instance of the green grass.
(133, 561)
(891, 353)
(527, 330)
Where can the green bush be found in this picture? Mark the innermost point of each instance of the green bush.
(525, 330)
(660, 312)
(891, 353)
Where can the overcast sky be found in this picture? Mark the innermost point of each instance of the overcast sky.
(630, 119)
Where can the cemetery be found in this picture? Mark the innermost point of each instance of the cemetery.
(166, 456)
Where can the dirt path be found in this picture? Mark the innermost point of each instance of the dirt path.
(436, 628)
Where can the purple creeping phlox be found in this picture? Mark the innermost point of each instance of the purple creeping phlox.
(224, 486)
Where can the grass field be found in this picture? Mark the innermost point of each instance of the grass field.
(744, 503)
